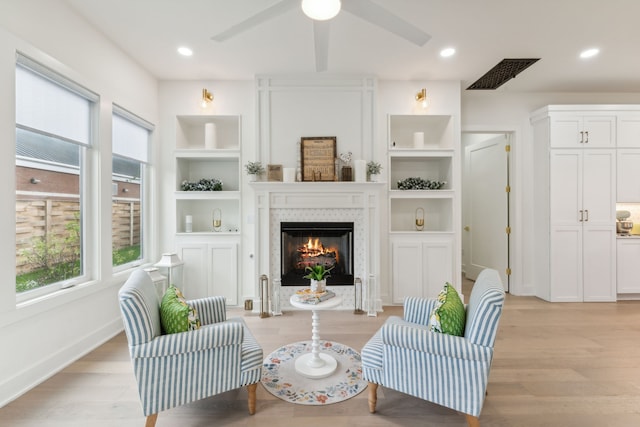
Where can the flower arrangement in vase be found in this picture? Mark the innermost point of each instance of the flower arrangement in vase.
(318, 275)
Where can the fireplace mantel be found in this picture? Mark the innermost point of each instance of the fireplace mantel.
(358, 202)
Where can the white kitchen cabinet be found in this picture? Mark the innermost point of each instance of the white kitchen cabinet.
(574, 216)
(420, 267)
(628, 254)
(210, 269)
(581, 131)
(628, 130)
(628, 175)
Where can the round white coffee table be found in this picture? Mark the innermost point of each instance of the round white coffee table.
(316, 364)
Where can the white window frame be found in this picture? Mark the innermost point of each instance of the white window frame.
(87, 176)
(145, 199)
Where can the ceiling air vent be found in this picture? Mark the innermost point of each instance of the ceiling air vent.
(504, 71)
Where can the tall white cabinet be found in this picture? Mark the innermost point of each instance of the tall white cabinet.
(424, 258)
(210, 254)
(574, 202)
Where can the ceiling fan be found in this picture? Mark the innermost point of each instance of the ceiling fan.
(363, 9)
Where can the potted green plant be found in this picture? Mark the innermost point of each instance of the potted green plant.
(318, 275)
(254, 169)
(373, 170)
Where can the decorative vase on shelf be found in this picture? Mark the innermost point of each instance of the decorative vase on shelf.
(373, 177)
(253, 178)
(318, 285)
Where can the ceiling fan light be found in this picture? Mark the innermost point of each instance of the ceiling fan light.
(321, 10)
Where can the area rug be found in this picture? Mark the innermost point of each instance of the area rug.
(280, 378)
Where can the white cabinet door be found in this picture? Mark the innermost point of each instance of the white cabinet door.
(627, 256)
(566, 264)
(628, 176)
(438, 267)
(421, 268)
(599, 131)
(573, 131)
(195, 277)
(565, 187)
(598, 187)
(407, 270)
(223, 271)
(628, 131)
(599, 265)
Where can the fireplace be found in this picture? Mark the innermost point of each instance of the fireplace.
(305, 244)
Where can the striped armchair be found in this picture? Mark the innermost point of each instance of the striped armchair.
(175, 369)
(448, 370)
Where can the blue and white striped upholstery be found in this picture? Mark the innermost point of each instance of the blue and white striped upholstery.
(175, 369)
(448, 370)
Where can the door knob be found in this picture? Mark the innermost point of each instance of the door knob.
(467, 228)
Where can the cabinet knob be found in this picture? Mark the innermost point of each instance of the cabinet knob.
(467, 228)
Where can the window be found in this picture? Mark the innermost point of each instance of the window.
(53, 138)
(130, 155)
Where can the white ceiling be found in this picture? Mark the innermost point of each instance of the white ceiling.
(483, 32)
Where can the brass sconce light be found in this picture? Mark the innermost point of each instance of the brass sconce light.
(207, 97)
(421, 97)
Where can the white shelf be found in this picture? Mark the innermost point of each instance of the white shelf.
(207, 195)
(190, 131)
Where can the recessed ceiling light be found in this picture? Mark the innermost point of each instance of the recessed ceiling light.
(589, 53)
(445, 53)
(185, 51)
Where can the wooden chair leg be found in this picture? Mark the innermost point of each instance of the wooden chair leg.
(151, 420)
(251, 388)
(473, 421)
(373, 397)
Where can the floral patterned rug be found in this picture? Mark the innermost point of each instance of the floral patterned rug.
(280, 378)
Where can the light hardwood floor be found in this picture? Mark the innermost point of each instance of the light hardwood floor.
(555, 365)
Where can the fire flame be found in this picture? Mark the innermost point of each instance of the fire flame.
(314, 248)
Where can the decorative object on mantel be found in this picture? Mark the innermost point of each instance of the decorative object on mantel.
(254, 170)
(419, 219)
(289, 174)
(373, 170)
(416, 183)
(274, 173)
(360, 167)
(205, 184)
(318, 275)
(346, 171)
(217, 219)
(318, 154)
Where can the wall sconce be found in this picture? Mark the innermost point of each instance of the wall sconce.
(125, 190)
(170, 261)
(34, 181)
(207, 97)
(421, 97)
(419, 219)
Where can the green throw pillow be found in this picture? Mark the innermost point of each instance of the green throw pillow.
(449, 315)
(175, 314)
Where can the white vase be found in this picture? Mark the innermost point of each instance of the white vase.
(318, 285)
(373, 177)
(253, 178)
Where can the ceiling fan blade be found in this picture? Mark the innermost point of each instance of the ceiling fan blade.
(321, 44)
(260, 17)
(381, 17)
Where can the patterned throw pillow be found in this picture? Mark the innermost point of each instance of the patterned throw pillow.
(175, 314)
(449, 315)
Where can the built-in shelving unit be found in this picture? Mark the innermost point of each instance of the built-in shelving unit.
(209, 147)
(422, 258)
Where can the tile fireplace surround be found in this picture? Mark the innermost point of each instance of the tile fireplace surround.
(359, 203)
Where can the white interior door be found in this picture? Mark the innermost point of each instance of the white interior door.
(486, 209)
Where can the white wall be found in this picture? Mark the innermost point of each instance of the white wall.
(44, 335)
